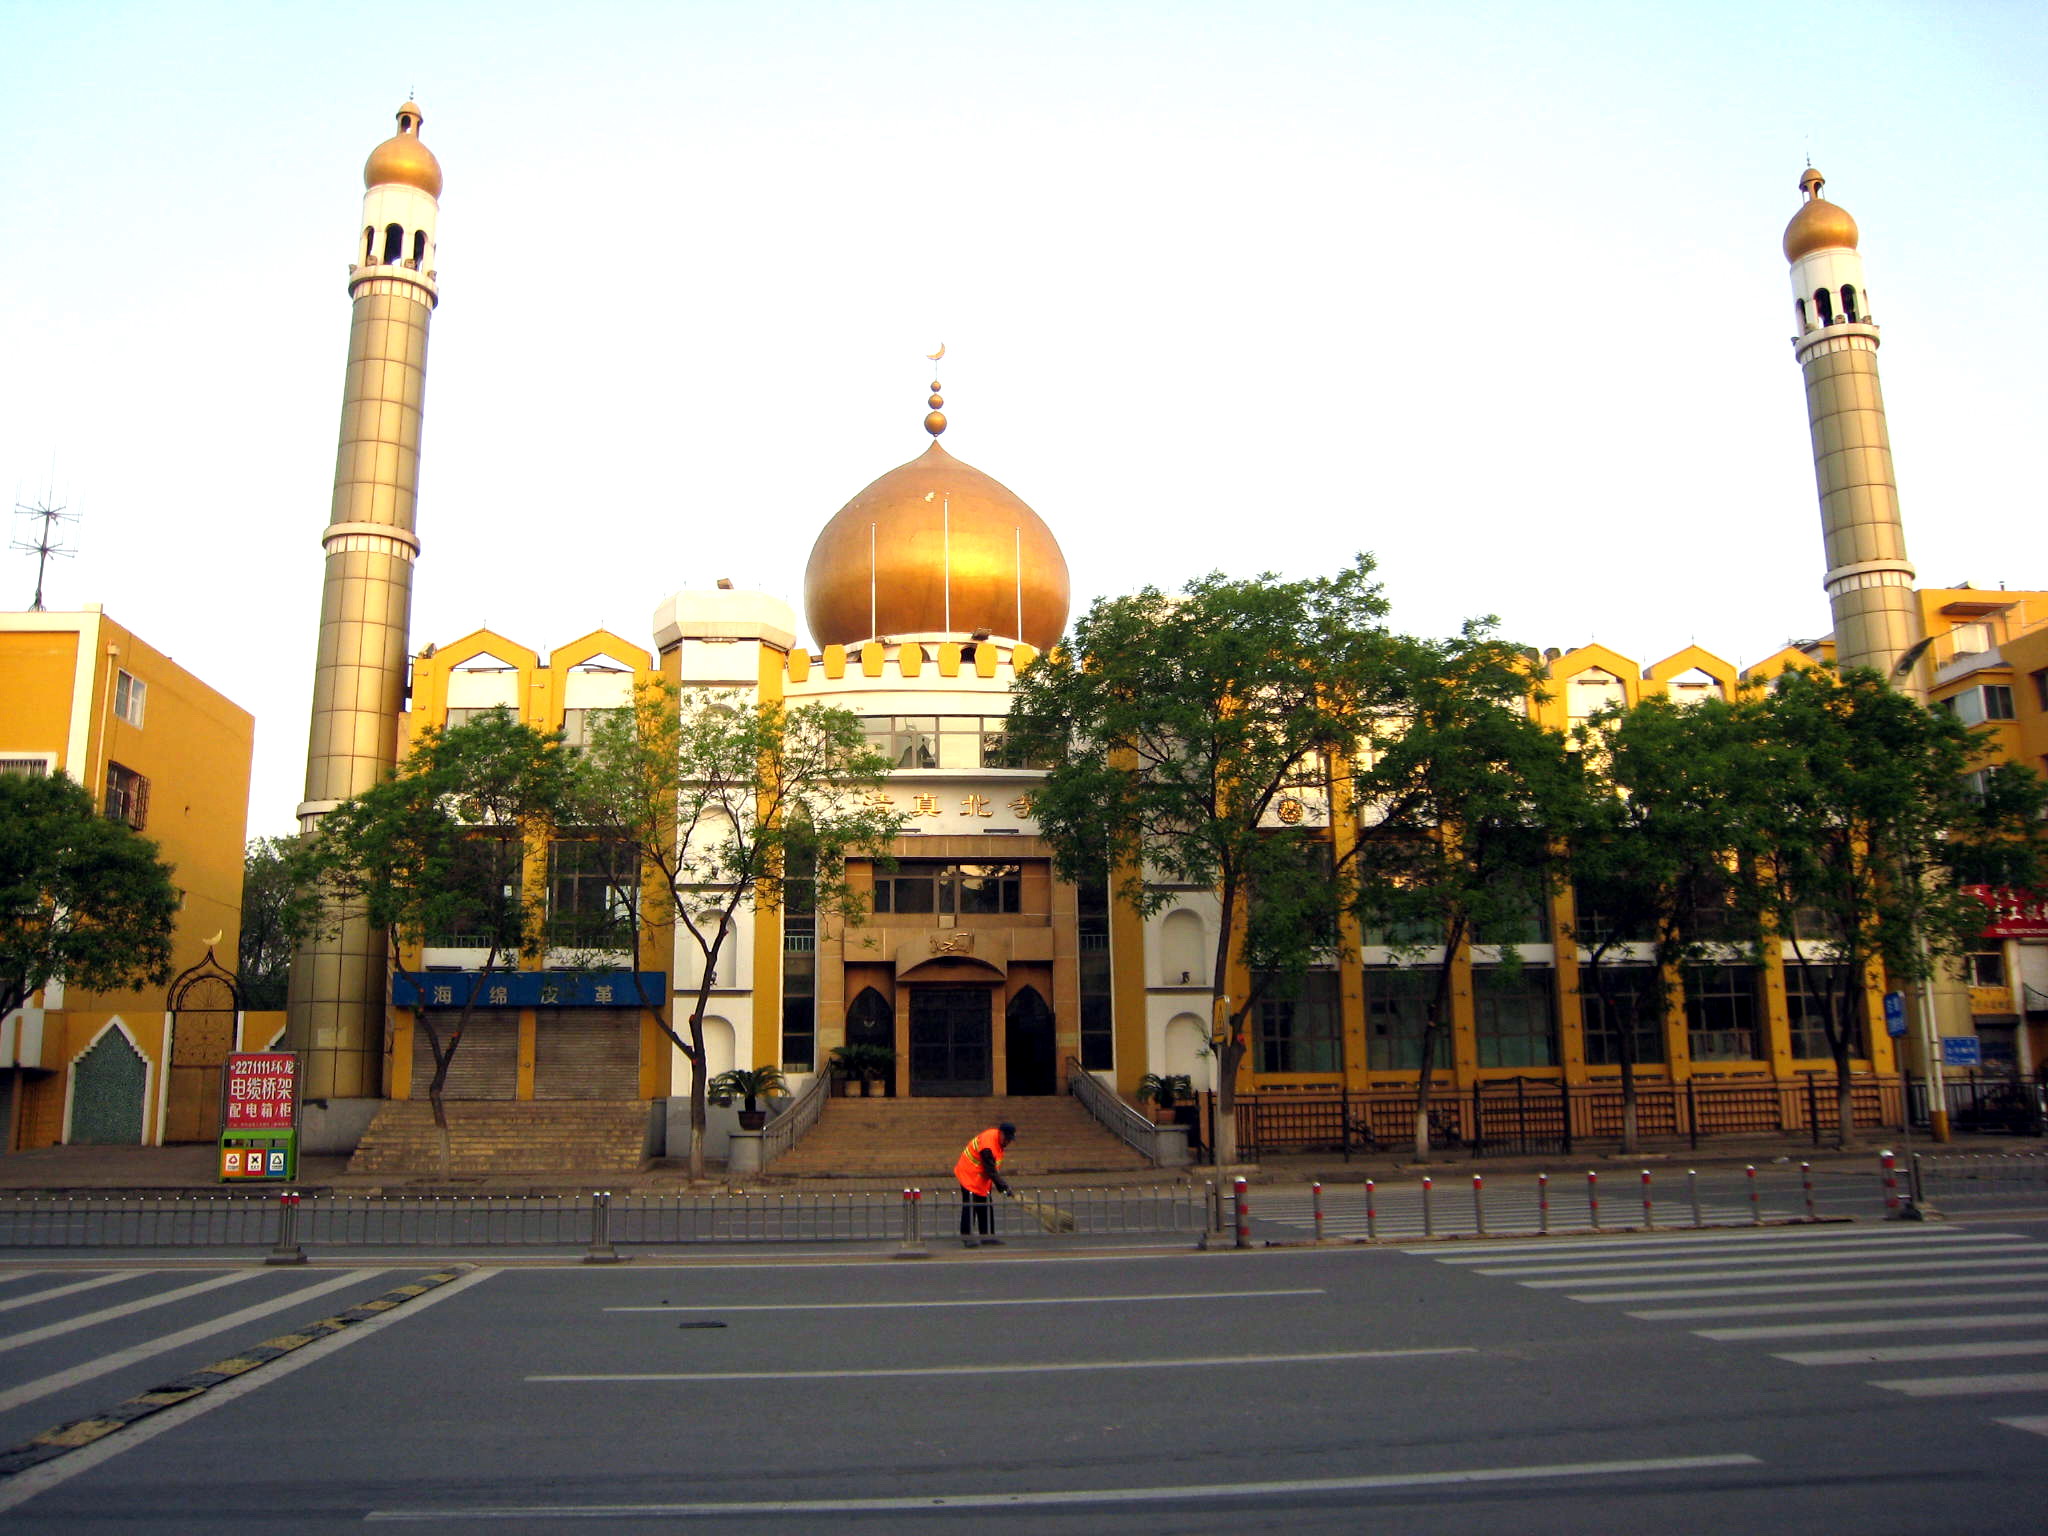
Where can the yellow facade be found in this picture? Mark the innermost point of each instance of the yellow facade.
(84, 696)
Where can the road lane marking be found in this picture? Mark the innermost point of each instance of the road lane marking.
(1967, 1386)
(1873, 1252)
(1853, 1304)
(1321, 1358)
(2036, 1424)
(29, 1391)
(69, 1290)
(1923, 1282)
(1550, 1247)
(922, 1306)
(1887, 1354)
(126, 1309)
(1891, 1266)
(1177, 1494)
(8, 1277)
(1871, 1325)
(26, 1484)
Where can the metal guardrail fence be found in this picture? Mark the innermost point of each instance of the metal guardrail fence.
(597, 1224)
(1112, 1113)
(1955, 1176)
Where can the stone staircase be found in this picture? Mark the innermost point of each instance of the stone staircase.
(920, 1139)
(492, 1137)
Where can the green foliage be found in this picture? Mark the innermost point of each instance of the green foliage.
(1866, 827)
(749, 1085)
(83, 900)
(864, 1063)
(1176, 724)
(1166, 1090)
(435, 853)
(729, 804)
(268, 895)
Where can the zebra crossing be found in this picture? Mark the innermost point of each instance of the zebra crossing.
(1932, 1312)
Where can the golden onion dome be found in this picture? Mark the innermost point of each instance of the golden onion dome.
(403, 158)
(936, 547)
(1819, 224)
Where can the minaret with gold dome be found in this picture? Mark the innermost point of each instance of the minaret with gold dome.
(336, 1009)
(1869, 580)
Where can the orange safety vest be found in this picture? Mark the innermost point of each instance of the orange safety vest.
(972, 1176)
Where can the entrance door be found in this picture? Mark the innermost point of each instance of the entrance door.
(951, 1053)
(1030, 1049)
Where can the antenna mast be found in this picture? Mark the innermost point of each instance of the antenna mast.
(42, 541)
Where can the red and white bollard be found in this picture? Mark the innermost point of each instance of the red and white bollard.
(1542, 1202)
(1428, 1215)
(1806, 1183)
(1479, 1203)
(1244, 1213)
(1756, 1209)
(1372, 1210)
(1649, 1211)
(1891, 1183)
(1593, 1198)
(1692, 1189)
(1316, 1192)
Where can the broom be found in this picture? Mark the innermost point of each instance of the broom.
(1046, 1214)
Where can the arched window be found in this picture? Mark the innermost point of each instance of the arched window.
(1182, 949)
(394, 244)
(369, 246)
(1800, 305)
(1824, 303)
(1849, 303)
(870, 1020)
(419, 247)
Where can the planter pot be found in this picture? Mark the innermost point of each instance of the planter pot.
(753, 1119)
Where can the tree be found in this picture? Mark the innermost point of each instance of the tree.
(1461, 804)
(436, 854)
(1651, 840)
(265, 957)
(1176, 725)
(1872, 813)
(725, 802)
(83, 900)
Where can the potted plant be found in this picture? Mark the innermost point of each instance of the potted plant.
(866, 1065)
(749, 1087)
(1165, 1094)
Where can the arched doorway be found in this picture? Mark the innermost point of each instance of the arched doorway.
(1032, 1050)
(952, 1052)
(204, 1001)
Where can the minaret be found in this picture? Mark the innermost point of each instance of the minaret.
(336, 1017)
(1869, 581)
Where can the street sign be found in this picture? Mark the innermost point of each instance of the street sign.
(1962, 1051)
(1895, 1015)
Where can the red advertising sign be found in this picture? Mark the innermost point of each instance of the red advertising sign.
(2014, 914)
(259, 1092)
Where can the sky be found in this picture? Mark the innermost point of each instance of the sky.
(1492, 291)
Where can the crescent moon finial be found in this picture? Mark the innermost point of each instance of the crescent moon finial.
(215, 939)
(935, 356)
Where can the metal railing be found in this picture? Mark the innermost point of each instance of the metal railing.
(287, 1223)
(1112, 1113)
(1521, 1115)
(1961, 1176)
(787, 1129)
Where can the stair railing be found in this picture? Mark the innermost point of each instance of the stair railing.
(1112, 1113)
(787, 1129)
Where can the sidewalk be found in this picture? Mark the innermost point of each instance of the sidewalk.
(85, 1169)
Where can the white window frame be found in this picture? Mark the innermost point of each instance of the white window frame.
(131, 694)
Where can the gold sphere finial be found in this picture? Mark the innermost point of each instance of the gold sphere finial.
(936, 422)
(1818, 225)
(402, 158)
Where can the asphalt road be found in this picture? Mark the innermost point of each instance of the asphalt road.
(1785, 1379)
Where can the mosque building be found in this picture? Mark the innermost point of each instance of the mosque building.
(984, 972)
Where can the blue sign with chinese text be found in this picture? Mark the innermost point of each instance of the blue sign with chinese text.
(1895, 1014)
(531, 989)
(1962, 1051)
